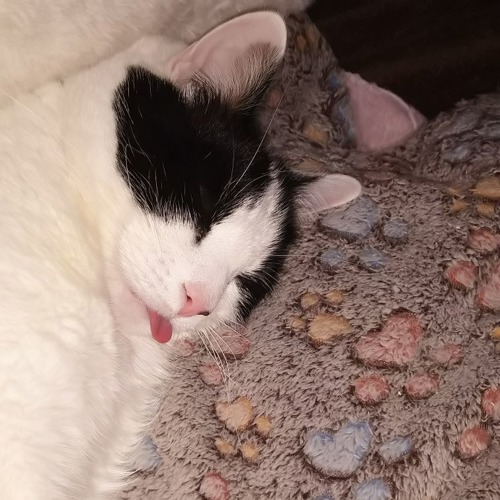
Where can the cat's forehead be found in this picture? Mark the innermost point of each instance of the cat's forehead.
(191, 157)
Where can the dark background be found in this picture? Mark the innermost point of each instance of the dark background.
(432, 53)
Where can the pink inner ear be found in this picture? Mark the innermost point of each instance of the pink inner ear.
(215, 54)
(381, 118)
(331, 191)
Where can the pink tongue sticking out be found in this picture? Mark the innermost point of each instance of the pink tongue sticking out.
(161, 328)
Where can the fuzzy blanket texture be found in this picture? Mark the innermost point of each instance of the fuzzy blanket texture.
(373, 371)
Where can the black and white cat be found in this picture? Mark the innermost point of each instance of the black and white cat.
(138, 205)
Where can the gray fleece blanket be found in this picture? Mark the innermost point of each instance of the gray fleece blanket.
(373, 371)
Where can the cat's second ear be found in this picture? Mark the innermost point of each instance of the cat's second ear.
(237, 58)
(321, 193)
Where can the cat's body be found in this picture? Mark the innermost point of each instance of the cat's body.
(41, 41)
(138, 202)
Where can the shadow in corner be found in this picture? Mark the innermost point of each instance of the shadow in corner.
(432, 53)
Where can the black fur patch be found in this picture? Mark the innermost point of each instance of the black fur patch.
(199, 159)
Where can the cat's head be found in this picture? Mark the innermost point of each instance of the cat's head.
(216, 211)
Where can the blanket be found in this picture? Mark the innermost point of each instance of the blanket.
(373, 370)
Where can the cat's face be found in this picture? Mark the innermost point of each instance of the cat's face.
(215, 210)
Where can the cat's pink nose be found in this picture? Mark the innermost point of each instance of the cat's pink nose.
(197, 301)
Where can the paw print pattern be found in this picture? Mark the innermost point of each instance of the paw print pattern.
(214, 487)
(483, 197)
(248, 429)
(239, 418)
(339, 454)
(228, 345)
(147, 458)
(316, 318)
(465, 274)
(481, 276)
(394, 345)
(355, 224)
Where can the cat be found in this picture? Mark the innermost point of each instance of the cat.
(139, 205)
(41, 41)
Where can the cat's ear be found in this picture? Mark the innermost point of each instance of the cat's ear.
(321, 193)
(381, 118)
(237, 58)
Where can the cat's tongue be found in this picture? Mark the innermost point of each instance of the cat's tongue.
(161, 328)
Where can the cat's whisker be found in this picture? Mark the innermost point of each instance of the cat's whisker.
(224, 341)
(227, 324)
(261, 143)
(273, 278)
(215, 354)
(228, 185)
(247, 185)
(217, 360)
(238, 323)
(216, 337)
(264, 135)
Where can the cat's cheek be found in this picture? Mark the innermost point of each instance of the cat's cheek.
(227, 309)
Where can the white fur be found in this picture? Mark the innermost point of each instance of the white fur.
(44, 40)
(79, 371)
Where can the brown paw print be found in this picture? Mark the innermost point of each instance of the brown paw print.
(239, 417)
(482, 198)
